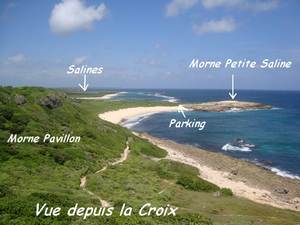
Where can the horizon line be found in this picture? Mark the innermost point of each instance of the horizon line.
(148, 88)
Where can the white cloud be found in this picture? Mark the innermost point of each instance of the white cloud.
(254, 5)
(215, 26)
(175, 7)
(17, 58)
(80, 60)
(73, 15)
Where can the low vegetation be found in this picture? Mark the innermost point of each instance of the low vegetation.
(196, 184)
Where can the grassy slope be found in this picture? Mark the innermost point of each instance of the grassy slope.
(96, 107)
(32, 173)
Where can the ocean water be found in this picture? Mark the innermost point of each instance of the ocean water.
(270, 138)
(151, 95)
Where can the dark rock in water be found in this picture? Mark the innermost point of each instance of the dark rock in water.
(240, 141)
(50, 101)
(267, 162)
(281, 191)
(20, 99)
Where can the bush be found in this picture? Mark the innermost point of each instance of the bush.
(226, 192)
(6, 112)
(20, 119)
(196, 184)
(2, 122)
(19, 122)
(186, 219)
(148, 149)
(53, 198)
(4, 190)
(168, 169)
(60, 157)
(154, 152)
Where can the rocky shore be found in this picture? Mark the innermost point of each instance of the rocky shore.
(221, 106)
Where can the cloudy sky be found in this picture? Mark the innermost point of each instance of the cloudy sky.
(148, 44)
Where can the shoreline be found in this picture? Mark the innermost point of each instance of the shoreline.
(244, 178)
(104, 97)
(122, 115)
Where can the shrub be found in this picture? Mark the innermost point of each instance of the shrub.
(4, 97)
(226, 192)
(2, 122)
(4, 190)
(61, 158)
(168, 169)
(153, 151)
(196, 184)
(6, 112)
(19, 122)
(148, 149)
(20, 119)
(186, 219)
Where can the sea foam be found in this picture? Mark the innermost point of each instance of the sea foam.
(279, 172)
(135, 120)
(283, 173)
(229, 147)
(165, 97)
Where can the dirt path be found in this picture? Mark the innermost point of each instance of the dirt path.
(124, 155)
(83, 180)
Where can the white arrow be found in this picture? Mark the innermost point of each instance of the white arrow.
(85, 85)
(181, 110)
(232, 94)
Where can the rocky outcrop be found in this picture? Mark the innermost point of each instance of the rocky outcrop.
(281, 190)
(222, 106)
(50, 101)
(20, 99)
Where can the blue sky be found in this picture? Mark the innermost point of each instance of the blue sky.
(148, 44)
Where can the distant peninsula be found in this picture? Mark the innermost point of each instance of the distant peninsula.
(221, 106)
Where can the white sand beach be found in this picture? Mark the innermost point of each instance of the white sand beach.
(122, 115)
(104, 97)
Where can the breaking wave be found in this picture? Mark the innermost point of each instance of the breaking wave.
(246, 110)
(230, 147)
(165, 97)
(279, 172)
(135, 120)
(283, 173)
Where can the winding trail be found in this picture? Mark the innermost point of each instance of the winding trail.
(83, 180)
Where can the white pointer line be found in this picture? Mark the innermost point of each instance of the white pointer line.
(85, 85)
(232, 94)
